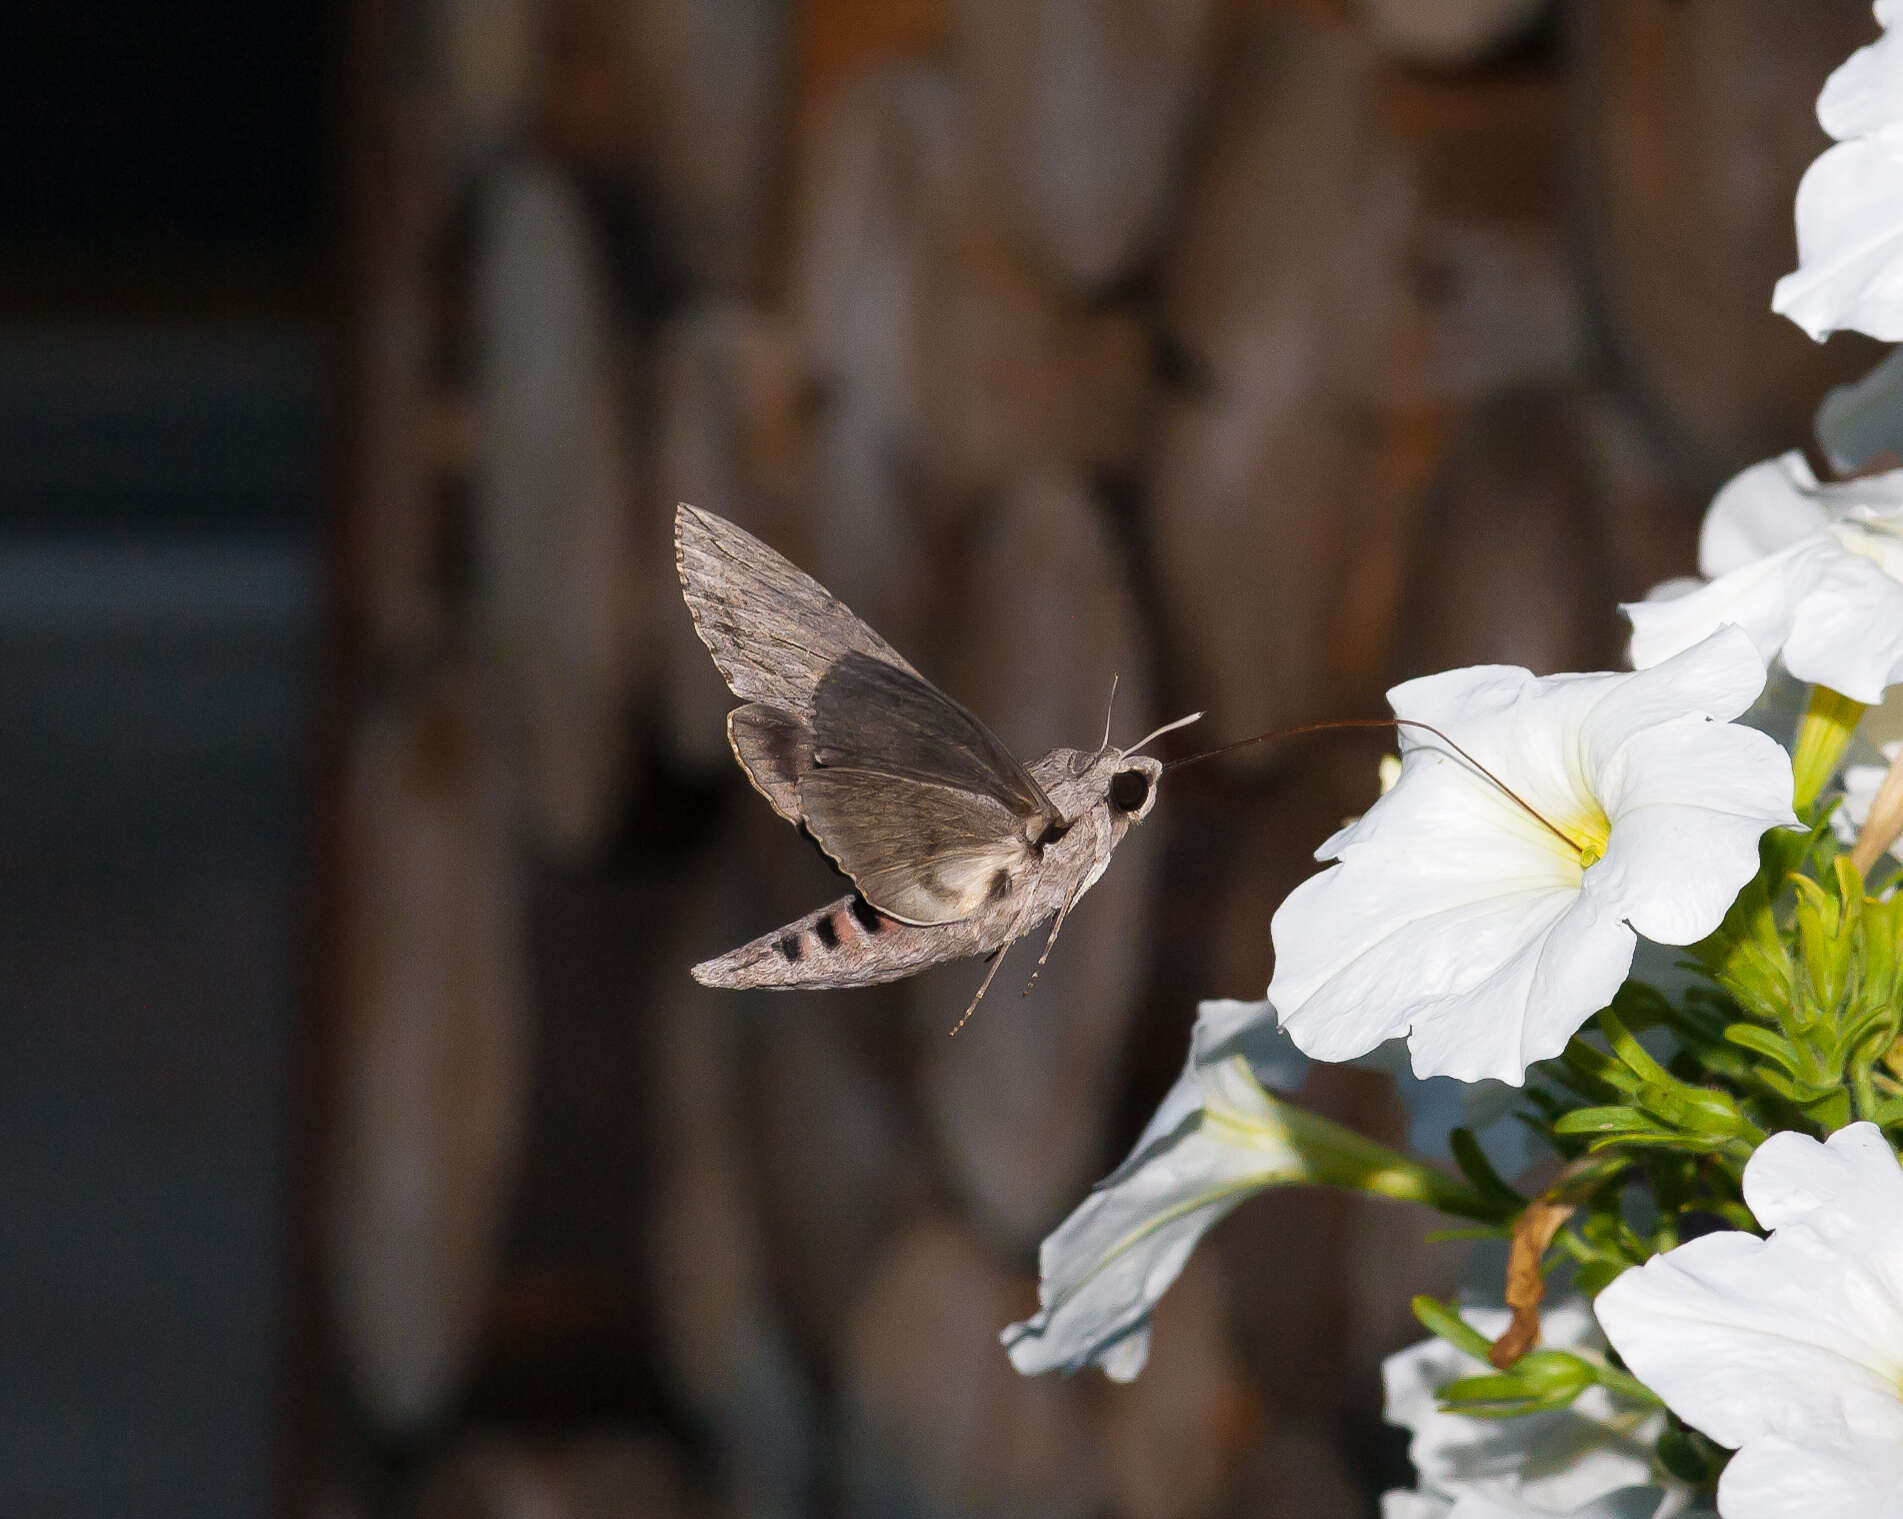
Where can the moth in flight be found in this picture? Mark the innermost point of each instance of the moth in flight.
(953, 846)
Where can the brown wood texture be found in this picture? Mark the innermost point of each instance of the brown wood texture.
(1692, 128)
(1083, 112)
(1314, 396)
(559, 570)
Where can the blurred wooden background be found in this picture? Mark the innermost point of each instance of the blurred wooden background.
(1260, 353)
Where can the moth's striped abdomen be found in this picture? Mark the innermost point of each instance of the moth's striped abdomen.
(846, 943)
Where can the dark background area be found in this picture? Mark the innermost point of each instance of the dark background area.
(159, 464)
(364, 1148)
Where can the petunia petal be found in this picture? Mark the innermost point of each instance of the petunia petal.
(1212, 1144)
(1847, 632)
(1759, 511)
(1861, 98)
(1531, 1005)
(1775, 1478)
(1793, 1179)
(1688, 790)
(1761, 598)
(1716, 678)
(1850, 245)
(1799, 1336)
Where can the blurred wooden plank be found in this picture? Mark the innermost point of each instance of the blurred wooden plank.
(603, 1475)
(839, 1153)
(836, 42)
(1512, 560)
(946, 365)
(559, 540)
(1265, 476)
(1083, 108)
(937, 1421)
(707, 94)
(1448, 34)
(710, 1250)
(431, 1034)
(1694, 124)
(1174, 1438)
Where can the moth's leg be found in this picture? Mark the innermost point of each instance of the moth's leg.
(997, 959)
(1057, 927)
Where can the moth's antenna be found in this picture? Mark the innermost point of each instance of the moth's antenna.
(1181, 722)
(1104, 747)
(1386, 722)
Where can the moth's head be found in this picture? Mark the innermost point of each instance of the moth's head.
(1131, 788)
(1130, 785)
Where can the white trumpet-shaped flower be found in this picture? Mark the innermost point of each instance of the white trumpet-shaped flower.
(1633, 1503)
(1486, 914)
(1218, 1138)
(1554, 1462)
(1814, 573)
(1850, 204)
(1788, 1349)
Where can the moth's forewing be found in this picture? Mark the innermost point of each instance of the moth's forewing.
(917, 801)
(773, 630)
(873, 716)
(921, 852)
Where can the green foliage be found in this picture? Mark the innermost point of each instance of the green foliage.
(1536, 1383)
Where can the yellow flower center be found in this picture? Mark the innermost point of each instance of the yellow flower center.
(1588, 830)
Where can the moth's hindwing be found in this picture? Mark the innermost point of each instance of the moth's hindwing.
(846, 943)
(775, 749)
(773, 630)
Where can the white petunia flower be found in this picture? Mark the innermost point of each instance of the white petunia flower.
(1488, 935)
(1633, 1503)
(1217, 1139)
(1850, 204)
(1788, 1349)
(1544, 1463)
(1812, 572)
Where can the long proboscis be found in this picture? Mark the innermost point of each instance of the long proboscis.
(1349, 723)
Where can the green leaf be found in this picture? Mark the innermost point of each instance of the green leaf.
(1507, 1395)
(1594, 1277)
(1616, 1119)
(1547, 1371)
(1630, 1053)
(1698, 1110)
(1761, 1041)
(1594, 1066)
(1479, 1171)
(1444, 1320)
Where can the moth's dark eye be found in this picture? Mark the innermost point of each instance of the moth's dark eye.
(1129, 790)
